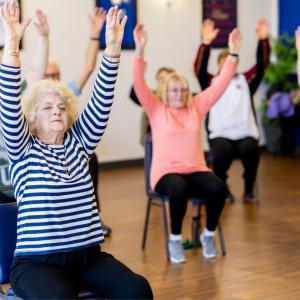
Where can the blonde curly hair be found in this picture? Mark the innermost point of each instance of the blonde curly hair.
(38, 91)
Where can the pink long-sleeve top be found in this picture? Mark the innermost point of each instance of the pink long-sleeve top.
(176, 133)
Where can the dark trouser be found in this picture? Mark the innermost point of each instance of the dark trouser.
(179, 188)
(63, 275)
(93, 166)
(225, 150)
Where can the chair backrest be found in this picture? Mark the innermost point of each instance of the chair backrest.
(147, 161)
(8, 238)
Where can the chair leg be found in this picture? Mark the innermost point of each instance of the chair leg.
(196, 224)
(165, 221)
(221, 237)
(146, 223)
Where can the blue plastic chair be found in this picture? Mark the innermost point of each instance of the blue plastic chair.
(156, 199)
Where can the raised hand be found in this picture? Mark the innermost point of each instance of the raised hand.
(41, 24)
(140, 39)
(97, 19)
(262, 29)
(114, 32)
(14, 30)
(208, 31)
(234, 41)
(297, 37)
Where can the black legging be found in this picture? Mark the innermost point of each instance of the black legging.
(179, 188)
(62, 275)
(224, 151)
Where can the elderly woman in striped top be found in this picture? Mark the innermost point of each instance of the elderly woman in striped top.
(58, 231)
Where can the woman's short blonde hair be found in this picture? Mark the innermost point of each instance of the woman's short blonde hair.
(38, 91)
(175, 76)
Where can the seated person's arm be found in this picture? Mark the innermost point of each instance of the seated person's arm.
(144, 94)
(208, 33)
(96, 19)
(39, 64)
(205, 99)
(90, 126)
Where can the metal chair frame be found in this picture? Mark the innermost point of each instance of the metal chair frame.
(155, 199)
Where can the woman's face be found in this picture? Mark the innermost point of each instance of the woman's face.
(51, 116)
(176, 94)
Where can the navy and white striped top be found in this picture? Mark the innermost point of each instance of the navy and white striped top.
(52, 184)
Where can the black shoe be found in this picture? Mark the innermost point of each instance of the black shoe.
(106, 230)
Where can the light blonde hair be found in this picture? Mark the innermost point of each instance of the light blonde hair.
(175, 76)
(38, 91)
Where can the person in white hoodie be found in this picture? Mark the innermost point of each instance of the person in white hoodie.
(231, 123)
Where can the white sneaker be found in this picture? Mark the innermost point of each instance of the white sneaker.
(208, 246)
(176, 252)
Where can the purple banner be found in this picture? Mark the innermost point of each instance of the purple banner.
(224, 14)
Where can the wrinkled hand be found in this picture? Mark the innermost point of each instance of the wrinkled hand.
(140, 36)
(262, 29)
(297, 37)
(208, 31)
(234, 41)
(10, 15)
(114, 31)
(97, 19)
(41, 23)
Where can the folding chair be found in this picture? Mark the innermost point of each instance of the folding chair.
(156, 199)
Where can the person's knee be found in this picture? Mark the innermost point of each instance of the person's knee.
(218, 191)
(138, 287)
(250, 149)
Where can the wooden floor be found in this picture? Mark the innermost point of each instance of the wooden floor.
(263, 240)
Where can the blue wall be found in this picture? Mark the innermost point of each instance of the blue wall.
(289, 16)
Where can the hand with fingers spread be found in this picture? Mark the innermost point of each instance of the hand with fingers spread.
(208, 31)
(140, 39)
(14, 30)
(234, 41)
(262, 29)
(41, 23)
(114, 32)
(97, 19)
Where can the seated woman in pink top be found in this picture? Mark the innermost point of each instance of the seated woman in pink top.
(178, 167)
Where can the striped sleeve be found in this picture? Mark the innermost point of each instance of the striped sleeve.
(13, 125)
(92, 122)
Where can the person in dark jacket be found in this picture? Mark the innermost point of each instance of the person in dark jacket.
(231, 123)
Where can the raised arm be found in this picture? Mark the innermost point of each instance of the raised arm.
(96, 20)
(205, 99)
(93, 120)
(144, 94)
(39, 64)
(297, 36)
(14, 127)
(208, 34)
(262, 56)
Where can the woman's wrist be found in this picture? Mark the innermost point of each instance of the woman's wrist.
(112, 52)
